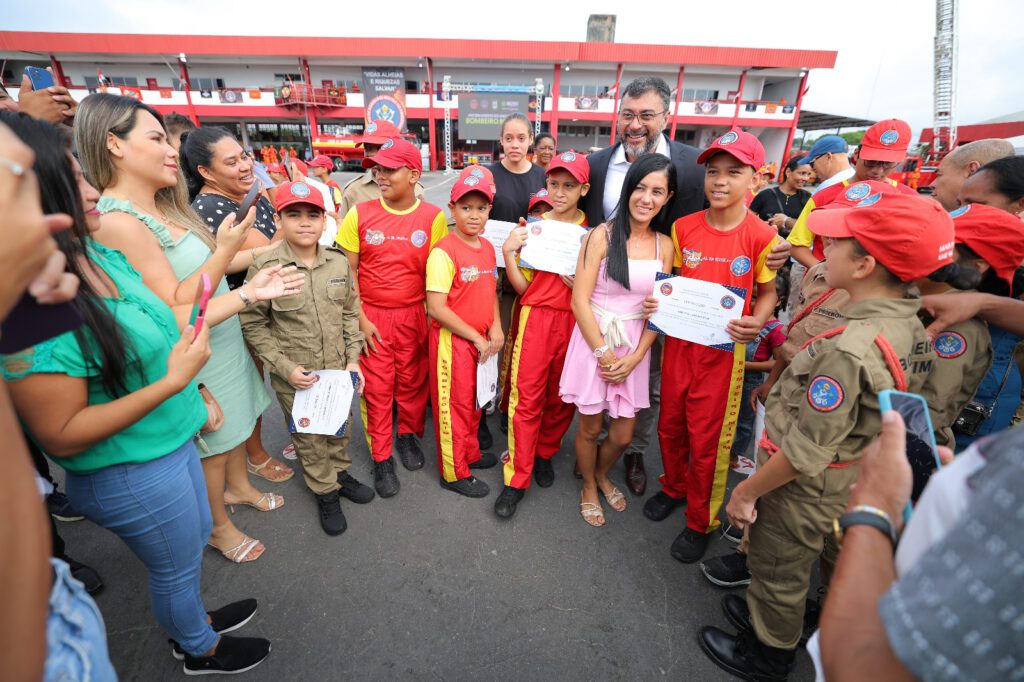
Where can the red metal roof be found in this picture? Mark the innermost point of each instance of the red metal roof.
(436, 48)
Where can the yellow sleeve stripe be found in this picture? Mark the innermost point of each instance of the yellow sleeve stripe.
(801, 235)
(438, 229)
(348, 231)
(761, 272)
(440, 271)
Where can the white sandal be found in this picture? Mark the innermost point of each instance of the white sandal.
(590, 510)
(240, 554)
(272, 502)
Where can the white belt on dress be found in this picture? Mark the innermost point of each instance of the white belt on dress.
(612, 327)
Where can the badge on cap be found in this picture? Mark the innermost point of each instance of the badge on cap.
(300, 189)
(477, 173)
(471, 180)
(960, 211)
(870, 201)
(388, 144)
(568, 157)
(949, 345)
(372, 128)
(728, 138)
(825, 394)
(889, 137)
(541, 193)
(858, 191)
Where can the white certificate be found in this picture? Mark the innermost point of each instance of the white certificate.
(496, 232)
(486, 381)
(324, 409)
(697, 311)
(330, 224)
(552, 246)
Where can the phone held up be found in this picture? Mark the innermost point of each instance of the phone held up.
(198, 316)
(40, 78)
(250, 200)
(922, 451)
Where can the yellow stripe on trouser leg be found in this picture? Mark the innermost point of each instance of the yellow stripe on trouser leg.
(727, 434)
(444, 404)
(513, 396)
(366, 425)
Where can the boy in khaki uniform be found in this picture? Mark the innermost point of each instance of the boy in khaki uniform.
(822, 413)
(316, 329)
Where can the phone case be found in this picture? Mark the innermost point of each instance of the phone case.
(40, 78)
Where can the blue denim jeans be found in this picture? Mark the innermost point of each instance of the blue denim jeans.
(76, 639)
(160, 510)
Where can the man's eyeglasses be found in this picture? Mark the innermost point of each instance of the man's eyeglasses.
(887, 165)
(644, 116)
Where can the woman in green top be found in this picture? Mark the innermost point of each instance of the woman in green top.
(125, 152)
(115, 403)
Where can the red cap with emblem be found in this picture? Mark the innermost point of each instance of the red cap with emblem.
(860, 191)
(322, 161)
(886, 141)
(912, 237)
(474, 179)
(744, 146)
(289, 193)
(993, 234)
(574, 162)
(379, 132)
(276, 168)
(396, 153)
(541, 197)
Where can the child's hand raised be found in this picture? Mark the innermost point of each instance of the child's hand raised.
(516, 239)
(745, 329)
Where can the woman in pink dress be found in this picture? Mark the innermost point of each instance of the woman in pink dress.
(606, 365)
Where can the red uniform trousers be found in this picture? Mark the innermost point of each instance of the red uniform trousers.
(537, 416)
(506, 358)
(453, 362)
(701, 390)
(397, 372)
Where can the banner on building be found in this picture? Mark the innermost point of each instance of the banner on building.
(166, 93)
(481, 113)
(384, 95)
(230, 96)
(706, 107)
(585, 103)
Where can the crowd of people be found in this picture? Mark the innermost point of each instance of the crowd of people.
(114, 215)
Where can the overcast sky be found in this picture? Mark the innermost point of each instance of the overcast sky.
(885, 47)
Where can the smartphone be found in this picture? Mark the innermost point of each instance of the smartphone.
(31, 322)
(40, 78)
(250, 200)
(922, 451)
(198, 316)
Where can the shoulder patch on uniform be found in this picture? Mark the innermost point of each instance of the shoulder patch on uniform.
(949, 345)
(825, 394)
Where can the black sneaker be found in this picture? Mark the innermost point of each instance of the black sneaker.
(409, 452)
(732, 533)
(689, 546)
(233, 655)
(225, 619)
(353, 489)
(486, 461)
(659, 506)
(483, 434)
(505, 505)
(728, 570)
(470, 487)
(60, 507)
(543, 472)
(384, 480)
(332, 519)
(90, 579)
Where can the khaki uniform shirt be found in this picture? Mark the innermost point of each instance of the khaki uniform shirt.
(824, 408)
(317, 328)
(824, 316)
(964, 353)
(364, 188)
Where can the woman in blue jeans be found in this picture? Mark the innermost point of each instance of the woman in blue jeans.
(116, 405)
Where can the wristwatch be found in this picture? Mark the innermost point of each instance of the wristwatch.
(242, 295)
(865, 515)
(598, 352)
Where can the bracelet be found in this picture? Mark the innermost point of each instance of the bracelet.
(598, 352)
(242, 295)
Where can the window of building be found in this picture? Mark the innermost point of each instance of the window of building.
(294, 77)
(691, 95)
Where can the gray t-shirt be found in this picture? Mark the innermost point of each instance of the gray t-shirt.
(958, 614)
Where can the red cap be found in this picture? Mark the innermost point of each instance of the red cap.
(886, 141)
(379, 132)
(744, 146)
(297, 192)
(322, 161)
(276, 168)
(396, 153)
(993, 234)
(474, 179)
(860, 191)
(766, 171)
(911, 236)
(574, 162)
(541, 197)
(301, 165)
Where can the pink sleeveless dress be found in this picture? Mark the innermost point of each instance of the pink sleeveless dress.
(581, 381)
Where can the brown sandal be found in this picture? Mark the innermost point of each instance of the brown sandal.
(272, 470)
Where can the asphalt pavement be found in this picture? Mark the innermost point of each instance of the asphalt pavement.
(432, 585)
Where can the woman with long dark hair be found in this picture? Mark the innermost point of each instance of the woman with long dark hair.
(146, 216)
(607, 363)
(781, 205)
(115, 404)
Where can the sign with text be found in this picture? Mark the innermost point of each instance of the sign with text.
(481, 113)
(384, 94)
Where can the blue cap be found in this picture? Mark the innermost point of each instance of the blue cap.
(830, 144)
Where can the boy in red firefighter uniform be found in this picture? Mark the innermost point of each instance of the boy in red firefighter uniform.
(462, 275)
(701, 386)
(537, 415)
(387, 241)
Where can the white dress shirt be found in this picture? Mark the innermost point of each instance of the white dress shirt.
(617, 169)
